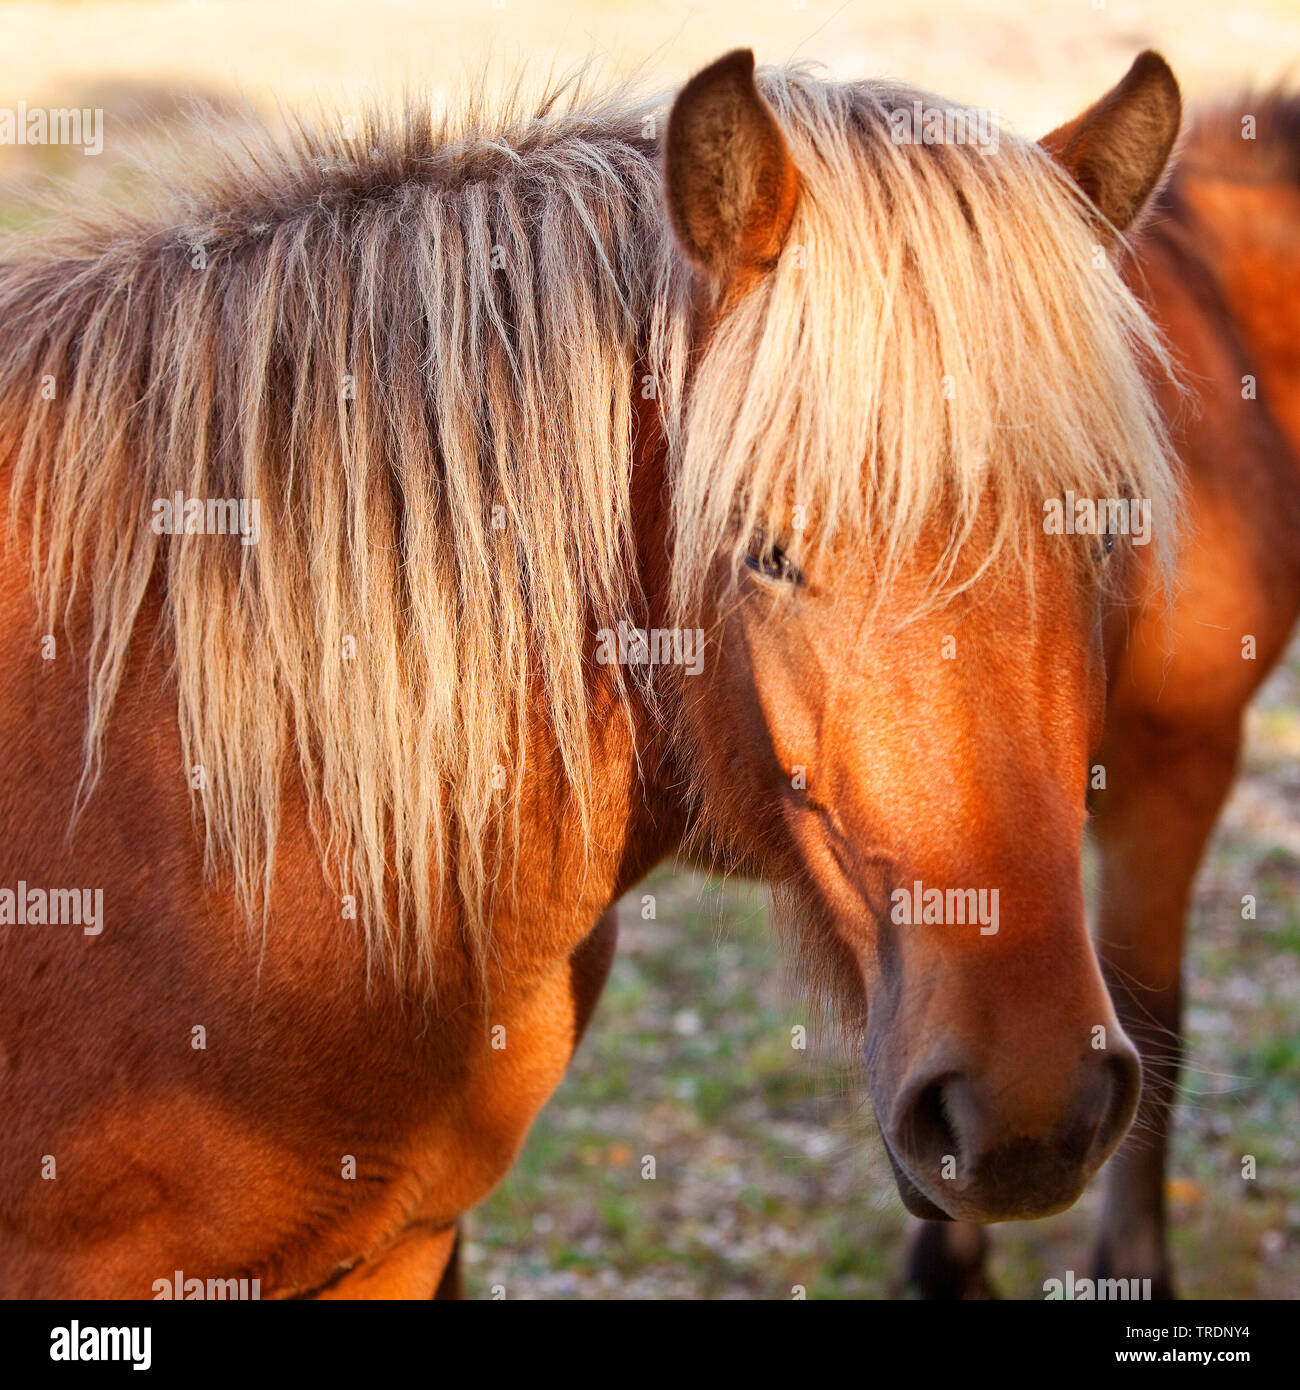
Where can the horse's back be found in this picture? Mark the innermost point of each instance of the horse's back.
(1220, 272)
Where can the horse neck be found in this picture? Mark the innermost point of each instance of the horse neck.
(650, 503)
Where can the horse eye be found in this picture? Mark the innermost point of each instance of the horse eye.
(1106, 544)
(773, 563)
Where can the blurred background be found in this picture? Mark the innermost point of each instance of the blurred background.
(768, 1169)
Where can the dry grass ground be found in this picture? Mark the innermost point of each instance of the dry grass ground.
(768, 1171)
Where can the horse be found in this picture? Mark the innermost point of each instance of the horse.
(1217, 265)
(372, 495)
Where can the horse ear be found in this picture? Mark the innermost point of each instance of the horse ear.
(731, 184)
(1117, 150)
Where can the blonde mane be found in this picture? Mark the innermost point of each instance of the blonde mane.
(943, 326)
(419, 348)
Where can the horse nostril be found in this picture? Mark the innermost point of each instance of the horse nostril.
(1124, 1074)
(986, 1149)
(926, 1134)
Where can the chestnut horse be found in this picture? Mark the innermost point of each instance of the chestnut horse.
(1218, 264)
(421, 535)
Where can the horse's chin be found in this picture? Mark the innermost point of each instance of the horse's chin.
(913, 1198)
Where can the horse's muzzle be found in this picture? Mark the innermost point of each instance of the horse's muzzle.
(974, 1148)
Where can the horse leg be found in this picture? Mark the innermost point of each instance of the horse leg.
(589, 967)
(946, 1261)
(1166, 788)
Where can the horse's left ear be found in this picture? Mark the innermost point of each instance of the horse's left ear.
(731, 184)
(1118, 149)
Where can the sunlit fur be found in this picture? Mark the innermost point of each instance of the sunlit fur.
(396, 333)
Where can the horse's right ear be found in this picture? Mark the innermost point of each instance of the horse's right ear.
(731, 184)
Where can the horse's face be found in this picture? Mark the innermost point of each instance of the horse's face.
(919, 784)
(922, 787)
